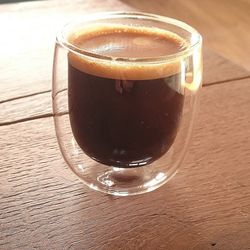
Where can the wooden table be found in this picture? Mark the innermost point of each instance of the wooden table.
(42, 203)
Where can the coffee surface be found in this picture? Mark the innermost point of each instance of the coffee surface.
(127, 42)
(132, 118)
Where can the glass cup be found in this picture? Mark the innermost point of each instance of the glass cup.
(124, 123)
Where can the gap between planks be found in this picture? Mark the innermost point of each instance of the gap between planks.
(36, 117)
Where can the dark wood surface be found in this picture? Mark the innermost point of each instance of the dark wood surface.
(44, 206)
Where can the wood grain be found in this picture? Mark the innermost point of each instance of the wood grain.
(37, 105)
(224, 24)
(205, 206)
(27, 46)
(26, 67)
(44, 206)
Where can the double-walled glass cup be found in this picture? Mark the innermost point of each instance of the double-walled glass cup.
(124, 122)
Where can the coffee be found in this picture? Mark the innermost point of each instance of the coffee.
(124, 114)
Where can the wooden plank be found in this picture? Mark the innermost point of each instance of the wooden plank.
(218, 69)
(22, 109)
(205, 206)
(40, 104)
(27, 46)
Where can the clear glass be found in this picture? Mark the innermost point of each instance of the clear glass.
(132, 148)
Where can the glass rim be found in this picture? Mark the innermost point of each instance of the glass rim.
(62, 40)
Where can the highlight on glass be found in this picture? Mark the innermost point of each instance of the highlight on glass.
(125, 88)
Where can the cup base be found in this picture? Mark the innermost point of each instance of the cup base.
(127, 181)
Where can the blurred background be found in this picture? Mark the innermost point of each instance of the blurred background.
(15, 1)
(224, 24)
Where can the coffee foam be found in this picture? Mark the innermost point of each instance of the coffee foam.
(128, 69)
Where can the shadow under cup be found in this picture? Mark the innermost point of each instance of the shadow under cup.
(124, 96)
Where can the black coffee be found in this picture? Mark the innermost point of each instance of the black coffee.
(130, 120)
